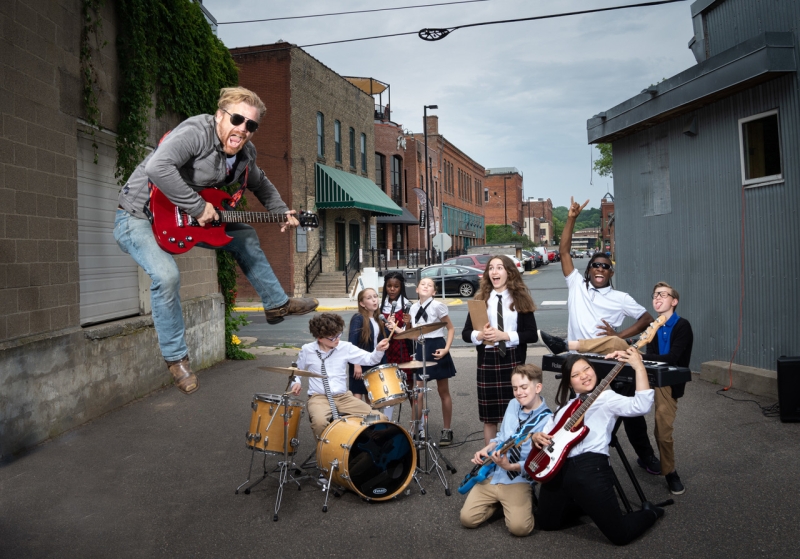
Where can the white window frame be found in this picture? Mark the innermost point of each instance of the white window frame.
(770, 179)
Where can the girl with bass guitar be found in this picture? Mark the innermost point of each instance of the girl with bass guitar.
(500, 478)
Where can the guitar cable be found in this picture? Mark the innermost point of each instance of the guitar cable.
(767, 411)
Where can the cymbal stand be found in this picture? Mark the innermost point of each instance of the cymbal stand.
(432, 452)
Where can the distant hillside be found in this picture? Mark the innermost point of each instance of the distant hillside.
(590, 217)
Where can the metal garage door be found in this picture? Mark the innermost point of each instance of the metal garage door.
(109, 277)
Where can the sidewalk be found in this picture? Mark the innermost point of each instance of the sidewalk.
(327, 304)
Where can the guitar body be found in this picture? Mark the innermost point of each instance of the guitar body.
(477, 475)
(177, 232)
(544, 464)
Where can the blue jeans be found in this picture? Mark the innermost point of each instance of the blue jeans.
(135, 237)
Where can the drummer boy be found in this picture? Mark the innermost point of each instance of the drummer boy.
(328, 397)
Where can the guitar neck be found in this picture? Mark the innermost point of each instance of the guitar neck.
(233, 216)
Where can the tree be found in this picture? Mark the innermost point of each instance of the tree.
(604, 165)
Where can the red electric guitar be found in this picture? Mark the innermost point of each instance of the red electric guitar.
(177, 232)
(570, 429)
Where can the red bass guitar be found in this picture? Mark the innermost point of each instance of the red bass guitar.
(177, 232)
(570, 429)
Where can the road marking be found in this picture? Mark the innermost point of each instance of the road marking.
(553, 303)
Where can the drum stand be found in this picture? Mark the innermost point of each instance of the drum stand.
(283, 466)
(432, 452)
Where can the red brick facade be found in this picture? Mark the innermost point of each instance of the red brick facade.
(539, 213)
(505, 193)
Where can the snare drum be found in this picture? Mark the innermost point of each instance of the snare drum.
(386, 385)
(266, 423)
(373, 457)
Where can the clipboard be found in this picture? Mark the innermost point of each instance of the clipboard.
(478, 316)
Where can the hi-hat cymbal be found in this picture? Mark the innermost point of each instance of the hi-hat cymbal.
(289, 371)
(418, 331)
(417, 364)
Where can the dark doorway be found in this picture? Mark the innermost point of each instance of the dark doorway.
(355, 238)
(341, 258)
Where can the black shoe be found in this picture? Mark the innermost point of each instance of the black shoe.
(674, 484)
(651, 464)
(658, 511)
(447, 437)
(556, 345)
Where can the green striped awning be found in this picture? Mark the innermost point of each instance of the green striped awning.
(338, 189)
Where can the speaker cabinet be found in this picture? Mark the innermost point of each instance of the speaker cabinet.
(789, 388)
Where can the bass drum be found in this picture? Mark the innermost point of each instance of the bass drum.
(373, 457)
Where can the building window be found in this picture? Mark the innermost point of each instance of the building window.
(337, 140)
(398, 237)
(485, 194)
(760, 147)
(380, 165)
(363, 153)
(320, 135)
(396, 180)
(352, 149)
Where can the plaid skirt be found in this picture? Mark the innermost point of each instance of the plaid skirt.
(494, 383)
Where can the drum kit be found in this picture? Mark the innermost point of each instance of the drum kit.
(375, 458)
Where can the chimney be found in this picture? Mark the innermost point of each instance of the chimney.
(433, 125)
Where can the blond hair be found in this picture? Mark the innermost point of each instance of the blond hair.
(673, 292)
(232, 95)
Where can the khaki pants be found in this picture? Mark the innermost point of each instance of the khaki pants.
(603, 345)
(319, 410)
(666, 410)
(515, 498)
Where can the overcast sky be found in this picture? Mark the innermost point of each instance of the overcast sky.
(509, 95)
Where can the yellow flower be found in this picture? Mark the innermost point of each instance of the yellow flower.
(235, 339)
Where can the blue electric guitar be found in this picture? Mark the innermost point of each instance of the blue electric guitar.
(481, 471)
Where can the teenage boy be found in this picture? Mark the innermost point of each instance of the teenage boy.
(597, 309)
(328, 397)
(673, 345)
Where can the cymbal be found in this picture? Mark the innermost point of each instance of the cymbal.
(417, 364)
(418, 331)
(289, 371)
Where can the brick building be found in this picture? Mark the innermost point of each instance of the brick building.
(318, 147)
(585, 239)
(456, 188)
(504, 191)
(538, 218)
(607, 223)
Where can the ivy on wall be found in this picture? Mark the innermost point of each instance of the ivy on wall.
(92, 29)
(168, 57)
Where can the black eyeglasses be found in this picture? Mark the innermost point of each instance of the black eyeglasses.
(602, 265)
(237, 119)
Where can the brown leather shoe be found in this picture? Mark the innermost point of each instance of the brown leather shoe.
(292, 306)
(183, 375)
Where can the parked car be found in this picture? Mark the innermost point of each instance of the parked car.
(516, 262)
(552, 256)
(478, 261)
(543, 252)
(461, 280)
(535, 257)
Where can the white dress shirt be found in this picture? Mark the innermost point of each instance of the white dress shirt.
(509, 319)
(601, 417)
(335, 365)
(589, 306)
(436, 312)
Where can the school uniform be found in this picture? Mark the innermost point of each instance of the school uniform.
(354, 337)
(428, 313)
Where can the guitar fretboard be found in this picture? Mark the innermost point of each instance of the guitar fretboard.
(251, 217)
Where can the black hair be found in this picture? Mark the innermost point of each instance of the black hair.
(565, 391)
(587, 273)
(399, 277)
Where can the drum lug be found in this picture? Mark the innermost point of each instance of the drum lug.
(345, 476)
(254, 405)
(346, 446)
(380, 375)
(385, 389)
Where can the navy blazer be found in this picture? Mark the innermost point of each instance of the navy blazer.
(354, 337)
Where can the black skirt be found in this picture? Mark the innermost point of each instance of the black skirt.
(444, 368)
(494, 383)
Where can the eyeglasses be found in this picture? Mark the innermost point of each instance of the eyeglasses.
(602, 265)
(237, 119)
(661, 295)
(336, 337)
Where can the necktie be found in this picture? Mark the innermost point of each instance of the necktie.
(502, 346)
(513, 458)
(326, 384)
(423, 312)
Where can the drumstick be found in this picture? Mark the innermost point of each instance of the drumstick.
(383, 319)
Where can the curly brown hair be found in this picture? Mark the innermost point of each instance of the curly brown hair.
(521, 300)
(326, 325)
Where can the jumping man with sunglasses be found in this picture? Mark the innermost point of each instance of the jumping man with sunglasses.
(204, 151)
(597, 310)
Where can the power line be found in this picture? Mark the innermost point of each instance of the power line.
(353, 12)
(436, 34)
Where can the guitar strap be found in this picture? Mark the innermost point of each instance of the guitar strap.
(235, 197)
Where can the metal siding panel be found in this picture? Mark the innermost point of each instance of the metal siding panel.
(697, 247)
(734, 21)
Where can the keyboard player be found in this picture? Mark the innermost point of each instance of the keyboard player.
(673, 346)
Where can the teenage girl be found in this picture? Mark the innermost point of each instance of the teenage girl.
(500, 349)
(394, 308)
(365, 333)
(585, 482)
(437, 349)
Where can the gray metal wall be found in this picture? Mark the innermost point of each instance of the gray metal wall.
(697, 247)
(733, 21)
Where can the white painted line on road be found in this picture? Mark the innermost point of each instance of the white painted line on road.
(553, 302)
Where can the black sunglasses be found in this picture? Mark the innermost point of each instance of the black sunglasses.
(237, 119)
(602, 265)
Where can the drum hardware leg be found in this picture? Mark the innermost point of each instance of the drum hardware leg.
(327, 488)
(250, 472)
(310, 462)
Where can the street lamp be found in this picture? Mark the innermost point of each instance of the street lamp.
(428, 204)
